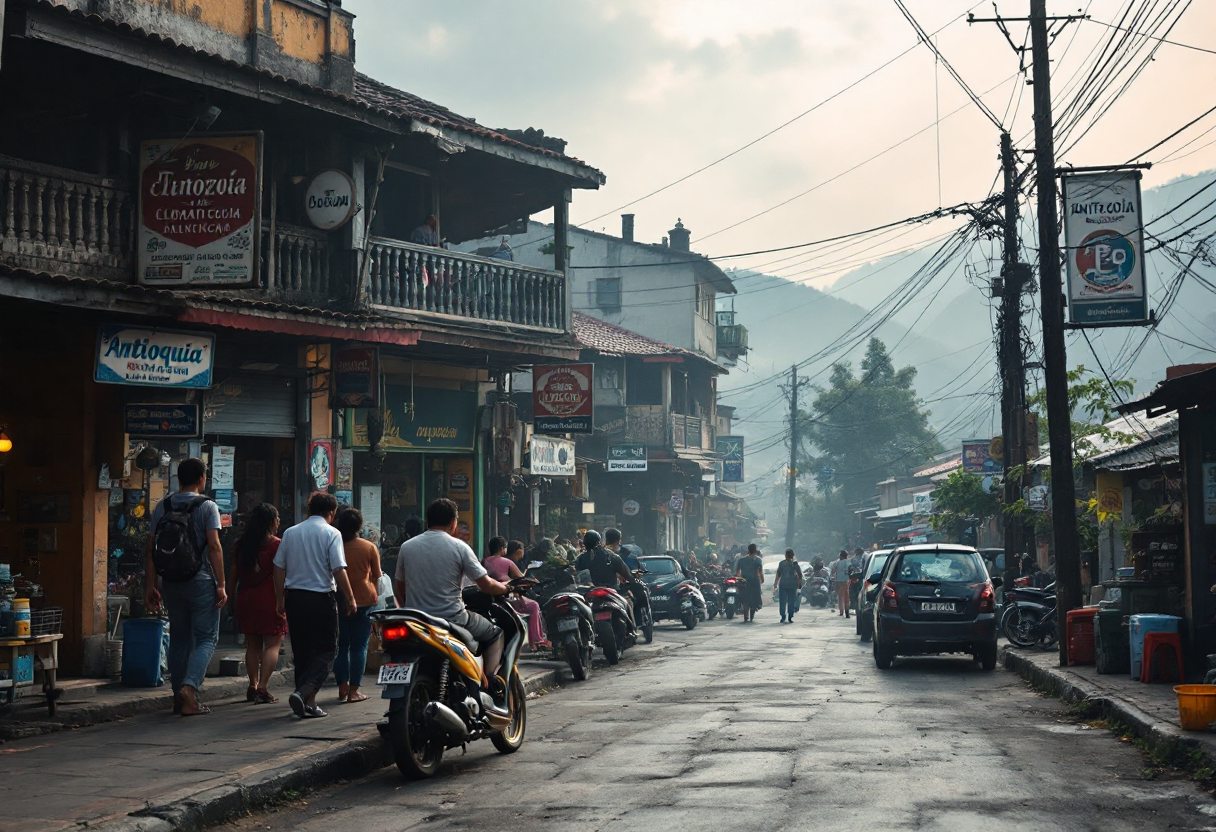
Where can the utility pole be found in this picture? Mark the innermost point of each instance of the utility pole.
(1013, 371)
(1063, 491)
(793, 472)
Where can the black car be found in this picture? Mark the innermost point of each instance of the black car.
(663, 576)
(872, 563)
(935, 598)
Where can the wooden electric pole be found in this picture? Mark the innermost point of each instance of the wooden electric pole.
(793, 471)
(1055, 371)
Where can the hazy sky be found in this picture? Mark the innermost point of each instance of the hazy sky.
(650, 90)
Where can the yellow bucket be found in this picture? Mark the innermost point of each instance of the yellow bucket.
(1196, 706)
(21, 617)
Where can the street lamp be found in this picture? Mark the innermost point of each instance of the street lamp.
(6, 444)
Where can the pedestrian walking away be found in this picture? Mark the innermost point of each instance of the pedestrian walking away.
(257, 615)
(788, 584)
(355, 630)
(750, 567)
(309, 570)
(840, 575)
(184, 552)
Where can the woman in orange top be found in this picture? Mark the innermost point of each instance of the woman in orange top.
(354, 631)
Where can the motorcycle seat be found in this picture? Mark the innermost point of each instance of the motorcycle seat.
(455, 629)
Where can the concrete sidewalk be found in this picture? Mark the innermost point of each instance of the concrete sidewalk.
(159, 772)
(1149, 710)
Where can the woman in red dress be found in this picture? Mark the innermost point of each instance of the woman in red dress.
(256, 614)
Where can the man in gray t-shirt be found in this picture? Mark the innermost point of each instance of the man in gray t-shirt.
(430, 571)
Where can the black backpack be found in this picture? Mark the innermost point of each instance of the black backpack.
(175, 550)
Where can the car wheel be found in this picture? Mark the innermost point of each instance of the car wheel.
(987, 656)
(865, 627)
(884, 654)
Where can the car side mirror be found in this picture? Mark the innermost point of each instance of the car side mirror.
(875, 578)
(996, 582)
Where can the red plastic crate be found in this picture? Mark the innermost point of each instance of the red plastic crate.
(1081, 635)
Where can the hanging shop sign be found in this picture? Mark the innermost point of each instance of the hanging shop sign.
(355, 380)
(630, 508)
(161, 421)
(1104, 239)
(550, 457)
(977, 457)
(676, 504)
(420, 418)
(730, 448)
(1036, 498)
(922, 505)
(153, 357)
(627, 458)
(561, 398)
(329, 199)
(199, 210)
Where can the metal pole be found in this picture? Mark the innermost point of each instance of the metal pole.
(793, 472)
(1063, 492)
(1013, 388)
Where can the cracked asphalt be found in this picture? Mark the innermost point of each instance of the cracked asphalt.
(762, 726)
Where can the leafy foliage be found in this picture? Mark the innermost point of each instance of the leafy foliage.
(962, 498)
(1091, 401)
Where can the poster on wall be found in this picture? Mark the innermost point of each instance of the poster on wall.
(153, 357)
(977, 457)
(561, 398)
(199, 210)
(321, 463)
(731, 450)
(223, 467)
(1209, 493)
(1104, 239)
(369, 505)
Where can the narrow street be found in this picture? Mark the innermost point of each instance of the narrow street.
(740, 726)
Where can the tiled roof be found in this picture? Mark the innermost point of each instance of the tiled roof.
(610, 339)
(939, 467)
(369, 94)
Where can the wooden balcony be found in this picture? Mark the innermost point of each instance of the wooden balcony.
(691, 432)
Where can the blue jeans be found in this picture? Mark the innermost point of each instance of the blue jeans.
(788, 600)
(353, 634)
(194, 628)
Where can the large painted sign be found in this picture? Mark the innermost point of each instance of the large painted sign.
(1104, 239)
(550, 457)
(561, 398)
(153, 357)
(730, 448)
(423, 418)
(977, 457)
(199, 210)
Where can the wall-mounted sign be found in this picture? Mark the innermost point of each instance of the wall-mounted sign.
(200, 209)
(1036, 498)
(922, 505)
(731, 450)
(977, 457)
(223, 467)
(561, 398)
(550, 457)
(321, 463)
(153, 357)
(630, 508)
(627, 458)
(1104, 238)
(676, 504)
(329, 200)
(419, 419)
(355, 380)
(161, 421)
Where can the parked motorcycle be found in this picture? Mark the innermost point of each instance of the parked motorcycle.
(715, 603)
(571, 625)
(615, 630)
(1029, 617)
(731, 587)
(643, 614)
(815, 591)
(690, 603)
(432, 679)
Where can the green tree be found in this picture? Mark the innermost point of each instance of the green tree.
(864, 429)
(961, 499)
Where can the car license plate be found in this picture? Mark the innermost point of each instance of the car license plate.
(603, 616)
(396, 674)
(567, 624)
(937, 606)
(658, 597)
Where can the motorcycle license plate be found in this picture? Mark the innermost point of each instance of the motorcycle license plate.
(566, 625)
(937, 606)
(603, 616)
(396, 674)
(658, 597)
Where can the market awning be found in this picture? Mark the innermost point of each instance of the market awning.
(892, 513)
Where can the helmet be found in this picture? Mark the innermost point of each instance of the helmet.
(591, 539)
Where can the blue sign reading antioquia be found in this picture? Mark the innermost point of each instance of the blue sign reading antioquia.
(153, 357)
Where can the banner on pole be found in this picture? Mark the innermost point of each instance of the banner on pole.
(730, 448)
(1104, 242)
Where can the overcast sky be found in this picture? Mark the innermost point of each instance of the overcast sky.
(650, 90)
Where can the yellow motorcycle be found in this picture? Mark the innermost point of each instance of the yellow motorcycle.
(432, 678)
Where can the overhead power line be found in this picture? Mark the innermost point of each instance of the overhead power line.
(1152, 37)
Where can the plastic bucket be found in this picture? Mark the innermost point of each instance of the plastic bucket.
(114, 658)
(21, 617)
(1196, 706)
(141, 652)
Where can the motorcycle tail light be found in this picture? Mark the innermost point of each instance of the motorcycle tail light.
(987, 596)
(563, 605)
(890, 598)
(600, 592)
(394, 633)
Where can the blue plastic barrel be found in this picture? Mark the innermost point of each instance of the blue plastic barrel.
(141, 652)
(1147, 623)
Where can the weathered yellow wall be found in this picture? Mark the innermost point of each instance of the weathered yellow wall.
(340, 37)
(299, 33)
(232, 17)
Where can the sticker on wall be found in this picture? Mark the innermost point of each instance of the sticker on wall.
(320, 463)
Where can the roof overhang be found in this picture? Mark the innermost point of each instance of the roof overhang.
(1178, 392)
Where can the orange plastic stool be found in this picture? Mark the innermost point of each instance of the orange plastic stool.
(1081, 635)
(1150, 667)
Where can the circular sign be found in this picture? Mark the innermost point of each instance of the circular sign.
(1105, 259)
(329, 199)
(996, 448)
(631, 508)
(564, 390)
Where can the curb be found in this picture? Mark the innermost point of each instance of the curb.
(1164, 740)
(357, 757)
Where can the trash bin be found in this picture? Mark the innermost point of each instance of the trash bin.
(1147, 623)
(141, 650)
(1110, 642)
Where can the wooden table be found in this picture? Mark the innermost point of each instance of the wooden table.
(45, 650)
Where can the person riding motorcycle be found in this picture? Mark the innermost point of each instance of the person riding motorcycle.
(605, 565)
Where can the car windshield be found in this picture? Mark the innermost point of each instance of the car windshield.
(939, 567)
(660, 566)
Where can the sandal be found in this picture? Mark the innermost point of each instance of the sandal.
(314, 712)
(251, 695)
(264, 697)
(355, 696)
(343, 691)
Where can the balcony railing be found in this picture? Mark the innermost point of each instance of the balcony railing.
(407, 277)
(297, 262)
(65, 222)
(732, 338)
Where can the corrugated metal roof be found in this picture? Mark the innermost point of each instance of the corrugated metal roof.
(1144, 432)
(946, 467)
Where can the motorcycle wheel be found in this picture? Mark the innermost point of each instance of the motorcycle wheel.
(416, 751)
(509, 739)
(648, 628)
(730, 611)
(574, 657)
(1020, 624)
(607, 639)
(690, 621)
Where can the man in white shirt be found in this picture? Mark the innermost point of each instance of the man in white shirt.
(309, 568)
(430, 570)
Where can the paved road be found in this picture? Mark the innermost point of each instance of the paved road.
(769, 727)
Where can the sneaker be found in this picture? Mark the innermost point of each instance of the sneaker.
(296, 703)
(783, 619)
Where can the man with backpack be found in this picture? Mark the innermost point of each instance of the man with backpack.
(184, 552)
